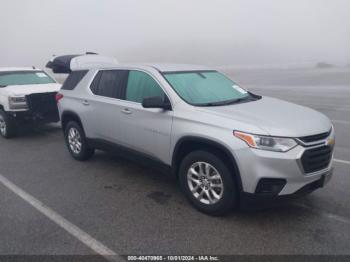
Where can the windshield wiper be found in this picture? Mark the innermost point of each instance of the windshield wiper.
(226, 102)
(235, 101)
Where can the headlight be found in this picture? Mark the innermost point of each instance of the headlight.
(18, 102)
(17, 99)
(277, 144)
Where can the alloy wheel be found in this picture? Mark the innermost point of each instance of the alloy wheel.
(74, 140)
(2, 125)
(205, 183)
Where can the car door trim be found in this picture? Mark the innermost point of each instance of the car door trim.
(129, 153)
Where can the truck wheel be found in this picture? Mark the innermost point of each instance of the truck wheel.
(208, 183)
(7, 125)
(76, 142)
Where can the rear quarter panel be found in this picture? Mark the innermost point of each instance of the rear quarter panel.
(72, 101)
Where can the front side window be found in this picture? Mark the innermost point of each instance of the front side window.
(109, 83)
(24, 78)
(141, 85)
(205, 87)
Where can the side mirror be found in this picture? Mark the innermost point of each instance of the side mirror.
(156, 102)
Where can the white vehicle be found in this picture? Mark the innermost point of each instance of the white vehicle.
(26, 95)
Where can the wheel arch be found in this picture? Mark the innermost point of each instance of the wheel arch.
(187, 144)
(68, 116)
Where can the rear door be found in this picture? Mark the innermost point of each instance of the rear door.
(146, 130)
(104, 105)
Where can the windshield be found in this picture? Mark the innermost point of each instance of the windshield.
(205, 87)
(24, 78)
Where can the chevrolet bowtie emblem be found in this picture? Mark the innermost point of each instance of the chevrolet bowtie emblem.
(330, 141)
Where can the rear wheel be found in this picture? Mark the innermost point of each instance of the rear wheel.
(208, 183)
(7, 125)
(76, 142)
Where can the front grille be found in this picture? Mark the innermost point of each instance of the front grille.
(314, 138)
(316, 159)
(43, 106)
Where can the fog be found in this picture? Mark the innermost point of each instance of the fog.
(232, 33)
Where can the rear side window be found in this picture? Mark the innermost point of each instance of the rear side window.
(95, 83)
(109, 83)
(141, 85)
(73, 79)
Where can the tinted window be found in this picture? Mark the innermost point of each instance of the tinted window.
(109, 83)
(73, 79)
(94, 85)
(141, 85)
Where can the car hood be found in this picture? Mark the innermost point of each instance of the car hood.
(274, 116)
(21, 90)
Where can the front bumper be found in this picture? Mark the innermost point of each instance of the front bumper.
(258, 201)
(28, 116)
(287, 169)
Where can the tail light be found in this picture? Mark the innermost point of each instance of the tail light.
(59, 96)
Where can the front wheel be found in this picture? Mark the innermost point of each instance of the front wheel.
(76, 142)
(208, 183)
(7, 125)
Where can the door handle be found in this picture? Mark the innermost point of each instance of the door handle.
(86, 103)
(126, 111)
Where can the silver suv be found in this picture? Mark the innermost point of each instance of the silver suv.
(226, 145)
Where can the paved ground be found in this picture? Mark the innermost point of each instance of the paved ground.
(134, 210)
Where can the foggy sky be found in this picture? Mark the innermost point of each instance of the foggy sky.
(215, 32)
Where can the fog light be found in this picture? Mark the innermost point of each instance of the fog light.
(270, 186)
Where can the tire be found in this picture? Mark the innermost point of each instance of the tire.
(76, 142)
(204, 199)
(7, 125)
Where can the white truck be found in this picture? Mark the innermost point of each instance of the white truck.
(26, 95)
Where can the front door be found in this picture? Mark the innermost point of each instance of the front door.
(147, 130)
